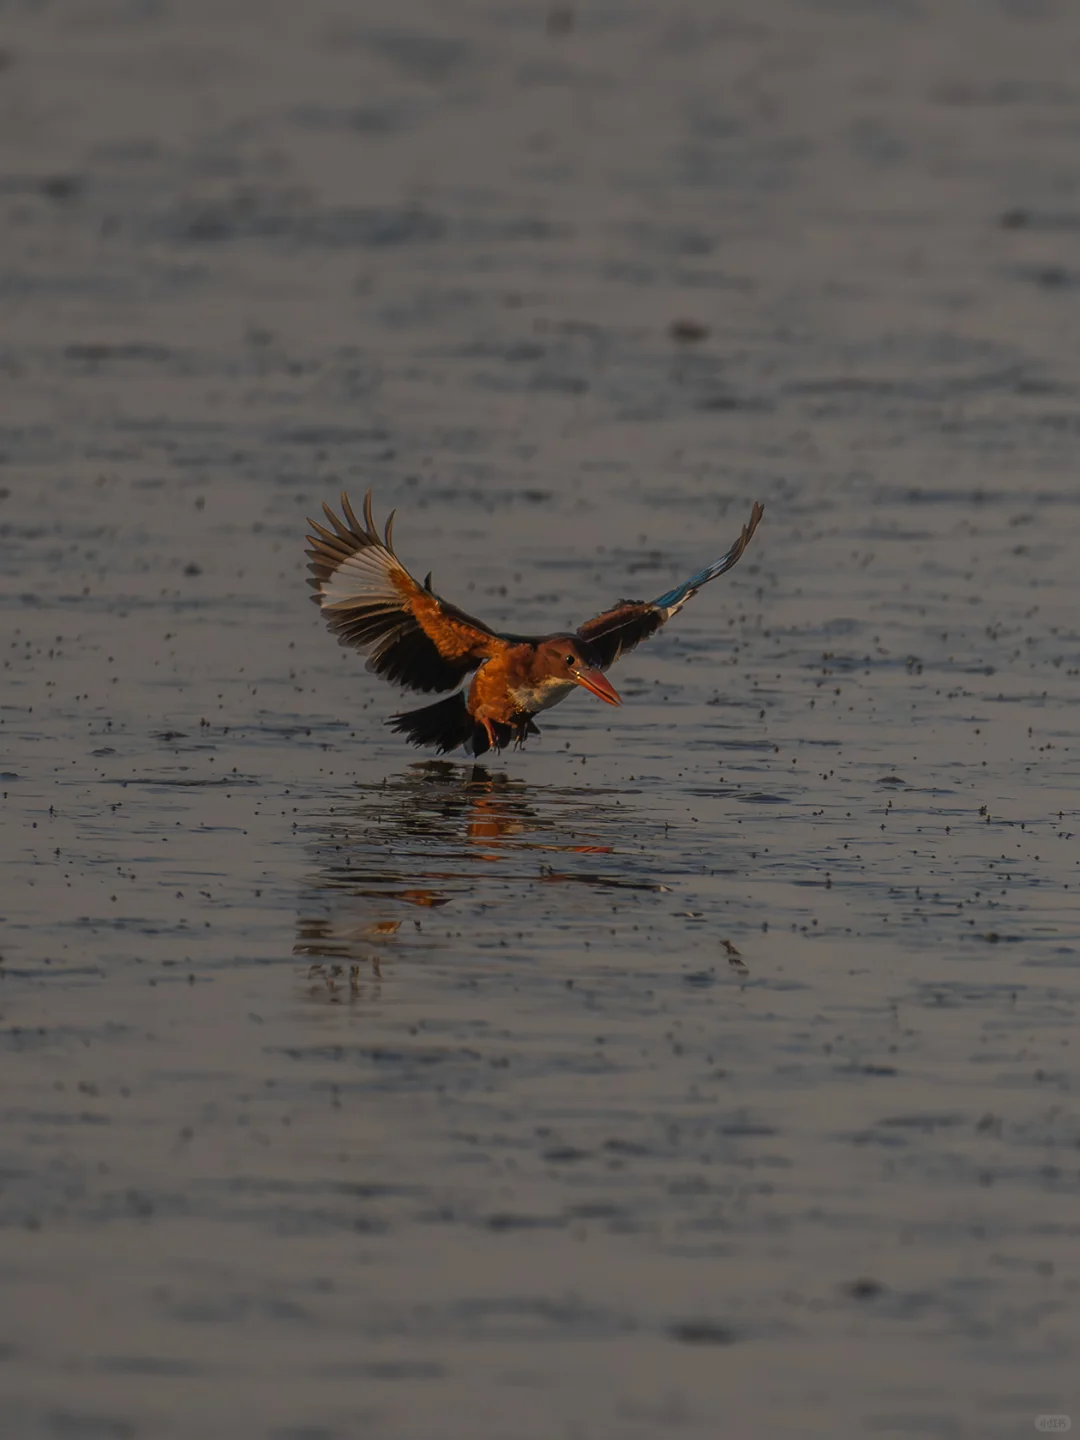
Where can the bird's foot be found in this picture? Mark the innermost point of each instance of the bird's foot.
(523, 728)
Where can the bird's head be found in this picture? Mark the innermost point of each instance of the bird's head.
(565, 659)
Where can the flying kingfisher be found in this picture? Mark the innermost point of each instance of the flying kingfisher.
(414, 638)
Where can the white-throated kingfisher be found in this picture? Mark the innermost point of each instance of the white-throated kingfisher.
(414, 638)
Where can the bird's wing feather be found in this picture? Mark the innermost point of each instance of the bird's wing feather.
(619, 629)
(630, 621)
(370, 601)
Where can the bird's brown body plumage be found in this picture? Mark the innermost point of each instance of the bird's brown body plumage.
(418, 640)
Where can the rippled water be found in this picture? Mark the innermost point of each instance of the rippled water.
(709, 1068)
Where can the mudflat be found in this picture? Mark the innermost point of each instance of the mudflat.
(709, 1068)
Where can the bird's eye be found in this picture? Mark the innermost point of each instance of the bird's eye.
(570, 660)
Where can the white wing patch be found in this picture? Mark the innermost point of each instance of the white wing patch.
(366, 578)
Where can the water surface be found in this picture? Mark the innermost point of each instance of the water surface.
(709, 1068)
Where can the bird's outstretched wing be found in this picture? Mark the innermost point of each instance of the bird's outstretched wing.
(371, 602)
(630, 621)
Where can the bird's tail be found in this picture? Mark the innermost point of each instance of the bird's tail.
(447, 725)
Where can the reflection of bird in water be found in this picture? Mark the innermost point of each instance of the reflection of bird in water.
(318, 936)
(491, 819)
(438, 811)
(415, 840)
(414, 638)
(505, 858)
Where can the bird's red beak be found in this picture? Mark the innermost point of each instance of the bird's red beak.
(598, 683)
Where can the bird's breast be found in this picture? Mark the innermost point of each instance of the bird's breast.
(534, 697)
